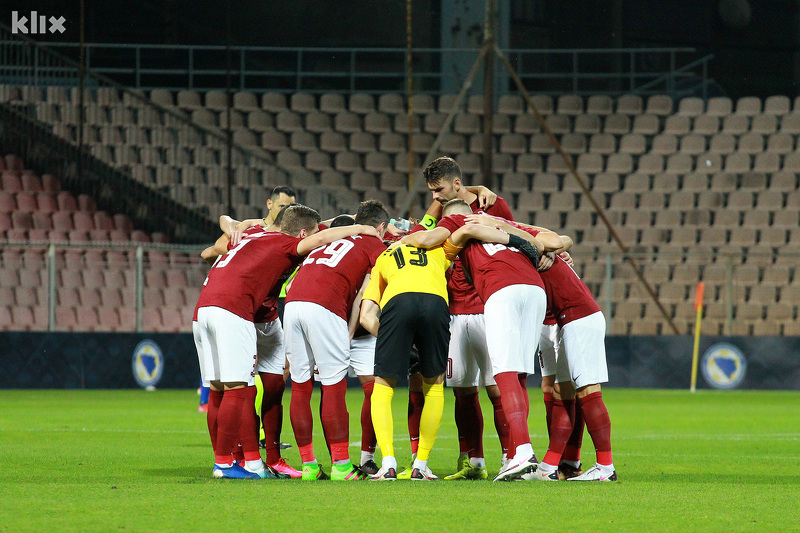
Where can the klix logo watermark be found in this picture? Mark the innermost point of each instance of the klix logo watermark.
(38, 24)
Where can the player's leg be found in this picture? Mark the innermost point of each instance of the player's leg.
(432, 337)
(513, 317)
(462, 376)
(271, 360)
(362, 362)
(392, 353)
(330, 342)
(299, 353)
(233, 343)
(584, 342)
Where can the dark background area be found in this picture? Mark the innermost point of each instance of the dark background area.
(755, 42)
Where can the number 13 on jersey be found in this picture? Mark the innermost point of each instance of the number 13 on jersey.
(420, 257)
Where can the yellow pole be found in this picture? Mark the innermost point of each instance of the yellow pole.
(698, 305)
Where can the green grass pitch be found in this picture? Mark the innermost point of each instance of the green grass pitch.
(136, 461)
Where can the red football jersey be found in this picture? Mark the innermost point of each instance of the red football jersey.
(243, 279)
(568, 297)
(493, 266)
(464, 299)
(332, 274)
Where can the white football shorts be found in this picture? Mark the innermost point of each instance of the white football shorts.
(226, 346)
(362, 356)
(468, 362)
(584, 343)
(552, 358)
(271, 349)
(316, 336)
(513, 317)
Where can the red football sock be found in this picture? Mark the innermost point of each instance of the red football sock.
(228, 421)
(560, 430)
(513, 397)
(302, 421)
(272, 414)
(523, 382)
(248, 435)
(548, 409)
(500, 423)
(469, 421)
(599, 425)
(368, 441)
(573, 450)
(214, 401)
(336, 420)
(416, 400)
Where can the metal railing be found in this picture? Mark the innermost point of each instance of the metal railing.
(145, 274)
(27, 64)
(383, 70)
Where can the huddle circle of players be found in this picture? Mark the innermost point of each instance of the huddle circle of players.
(460, 299)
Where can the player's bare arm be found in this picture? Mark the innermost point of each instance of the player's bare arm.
(490, 234)
(352, 324)
(228, 224)
(551, 240)
(368, 316)
(308, 244)
(209, 255)
(426, 239)
(486, 197)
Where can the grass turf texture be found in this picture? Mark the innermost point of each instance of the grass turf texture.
(137, 461)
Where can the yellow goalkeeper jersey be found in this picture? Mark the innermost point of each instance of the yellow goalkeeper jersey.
(405, 268)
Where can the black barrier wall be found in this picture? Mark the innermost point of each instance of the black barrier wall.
(106, 361)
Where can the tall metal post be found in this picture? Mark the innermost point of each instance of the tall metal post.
(488, 95)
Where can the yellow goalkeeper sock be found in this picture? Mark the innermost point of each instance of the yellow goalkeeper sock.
(382, 418)
(259, 398)
(431, 418)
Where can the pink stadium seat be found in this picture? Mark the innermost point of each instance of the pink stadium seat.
(99, 235)
(5, 224)
(86, 203)
(33, 260)
(108, 319)
(83, 221)
(173, 297)
(27, 296)
(62, 221)
(51, 184)
(89, 297)
(5, 316)
(67, 296)
(46, 202)
(22, 318)
(151, 320)
(42, 221)
(140, 236)
(10, 182)
(66, 318)
(66, 201)
(8, 202)
(110, 297)
(152, 297)
(26, 201)
(21, 220)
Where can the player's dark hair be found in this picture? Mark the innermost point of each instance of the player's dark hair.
(372, 213)
(288, 191)
(456, 204)
(342, 220)
(279, 216)
(442, 169)
(299, 217)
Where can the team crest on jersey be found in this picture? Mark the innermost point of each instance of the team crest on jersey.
(148, 364)
(724, 366)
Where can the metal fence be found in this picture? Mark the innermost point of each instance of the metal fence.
(674, 71)
(152, 287)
